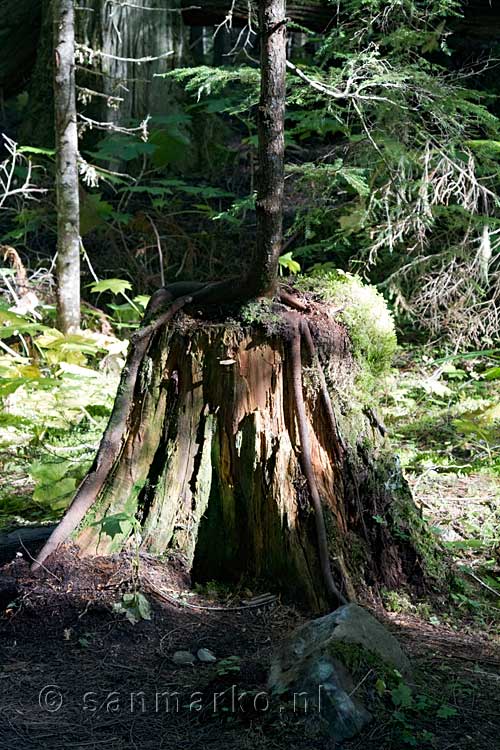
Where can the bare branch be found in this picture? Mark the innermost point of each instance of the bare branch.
(87, 54)
(8, 186)
(149, 8)
(347, 92)
(89, 123)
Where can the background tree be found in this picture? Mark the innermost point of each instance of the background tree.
(68, 203)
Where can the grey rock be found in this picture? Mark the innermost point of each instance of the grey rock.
(205, 655)
(309, 663)
(183, 658)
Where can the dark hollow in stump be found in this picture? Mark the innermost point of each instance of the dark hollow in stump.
(210, 464)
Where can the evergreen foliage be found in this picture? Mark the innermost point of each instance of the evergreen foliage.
(404, 185)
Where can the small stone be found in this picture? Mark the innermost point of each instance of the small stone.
(183, 658)
(205, 655)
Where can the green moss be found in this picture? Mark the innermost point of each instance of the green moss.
(260, 312)
(359, 661)
(406, 524)
(365, 315)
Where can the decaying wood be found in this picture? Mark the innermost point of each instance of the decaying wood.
(338, 442)
(208, 440)
(113, 438)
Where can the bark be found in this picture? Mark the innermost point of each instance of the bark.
(68, 205)
(211, 463)
(123, 32)
(271, 122)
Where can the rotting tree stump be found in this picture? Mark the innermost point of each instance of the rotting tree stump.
(210, 465)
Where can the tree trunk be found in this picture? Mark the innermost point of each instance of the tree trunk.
(271, 125)
(121, 35)
(210, 463)
(68, 203)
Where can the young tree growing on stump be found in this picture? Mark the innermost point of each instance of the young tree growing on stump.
(220, 447)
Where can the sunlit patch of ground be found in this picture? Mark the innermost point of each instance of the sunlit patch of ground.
(444, 421)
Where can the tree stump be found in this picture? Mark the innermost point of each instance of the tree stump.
(210, 464)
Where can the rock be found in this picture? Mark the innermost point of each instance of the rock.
(183, 658)
(314, 661)
(206, 656)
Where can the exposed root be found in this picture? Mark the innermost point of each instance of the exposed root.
(291, 301)
(305, 444)
(375, 421)
(338, 443)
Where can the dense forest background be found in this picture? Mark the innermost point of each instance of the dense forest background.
(396, 180)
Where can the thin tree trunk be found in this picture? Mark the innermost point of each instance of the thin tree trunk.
(271, 123)
(68, 205)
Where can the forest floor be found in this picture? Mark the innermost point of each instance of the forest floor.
(75, 673)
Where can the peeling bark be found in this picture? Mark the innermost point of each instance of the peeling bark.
(152, 28)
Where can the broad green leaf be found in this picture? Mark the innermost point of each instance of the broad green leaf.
(286, 261)
(55, 494)
(118, 523)
(445, 712)
(10, 385)
(45, 472)
(492, 374)
(402, 696)
(134, 606)
(142, 300)
(116, 286)
(94, 211)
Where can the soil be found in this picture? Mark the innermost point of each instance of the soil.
(76, 674)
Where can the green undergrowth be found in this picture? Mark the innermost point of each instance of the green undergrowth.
(56, 394)
(411, 708)
(443, 416)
